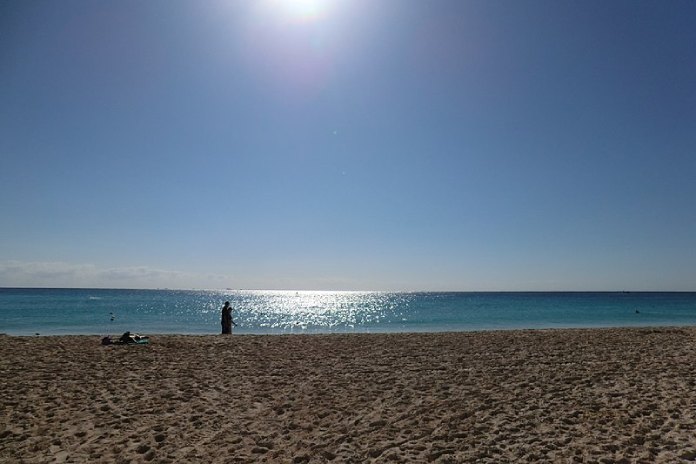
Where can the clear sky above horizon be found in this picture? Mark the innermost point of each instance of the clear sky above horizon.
(348, 144)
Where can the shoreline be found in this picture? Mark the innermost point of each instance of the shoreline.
(241, 333)
(541, 395)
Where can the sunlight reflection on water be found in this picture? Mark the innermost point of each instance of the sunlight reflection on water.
(308, 311)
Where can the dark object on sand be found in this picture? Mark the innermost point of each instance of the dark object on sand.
(127, 339)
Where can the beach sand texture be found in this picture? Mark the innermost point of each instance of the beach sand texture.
(600, 395)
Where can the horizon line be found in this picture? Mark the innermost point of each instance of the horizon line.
(340, 291)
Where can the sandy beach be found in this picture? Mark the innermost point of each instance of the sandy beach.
(592, 396)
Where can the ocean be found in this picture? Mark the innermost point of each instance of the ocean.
(26, 311)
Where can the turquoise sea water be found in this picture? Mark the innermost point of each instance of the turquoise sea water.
(89, 311)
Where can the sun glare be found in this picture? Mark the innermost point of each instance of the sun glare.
(301, 10)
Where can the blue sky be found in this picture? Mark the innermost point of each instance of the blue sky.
(348, 145)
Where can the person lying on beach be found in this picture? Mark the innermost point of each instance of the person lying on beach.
(127, 339)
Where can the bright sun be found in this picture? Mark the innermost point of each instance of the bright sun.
(304, 10)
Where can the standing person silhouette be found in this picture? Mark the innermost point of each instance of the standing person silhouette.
(226, 319)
